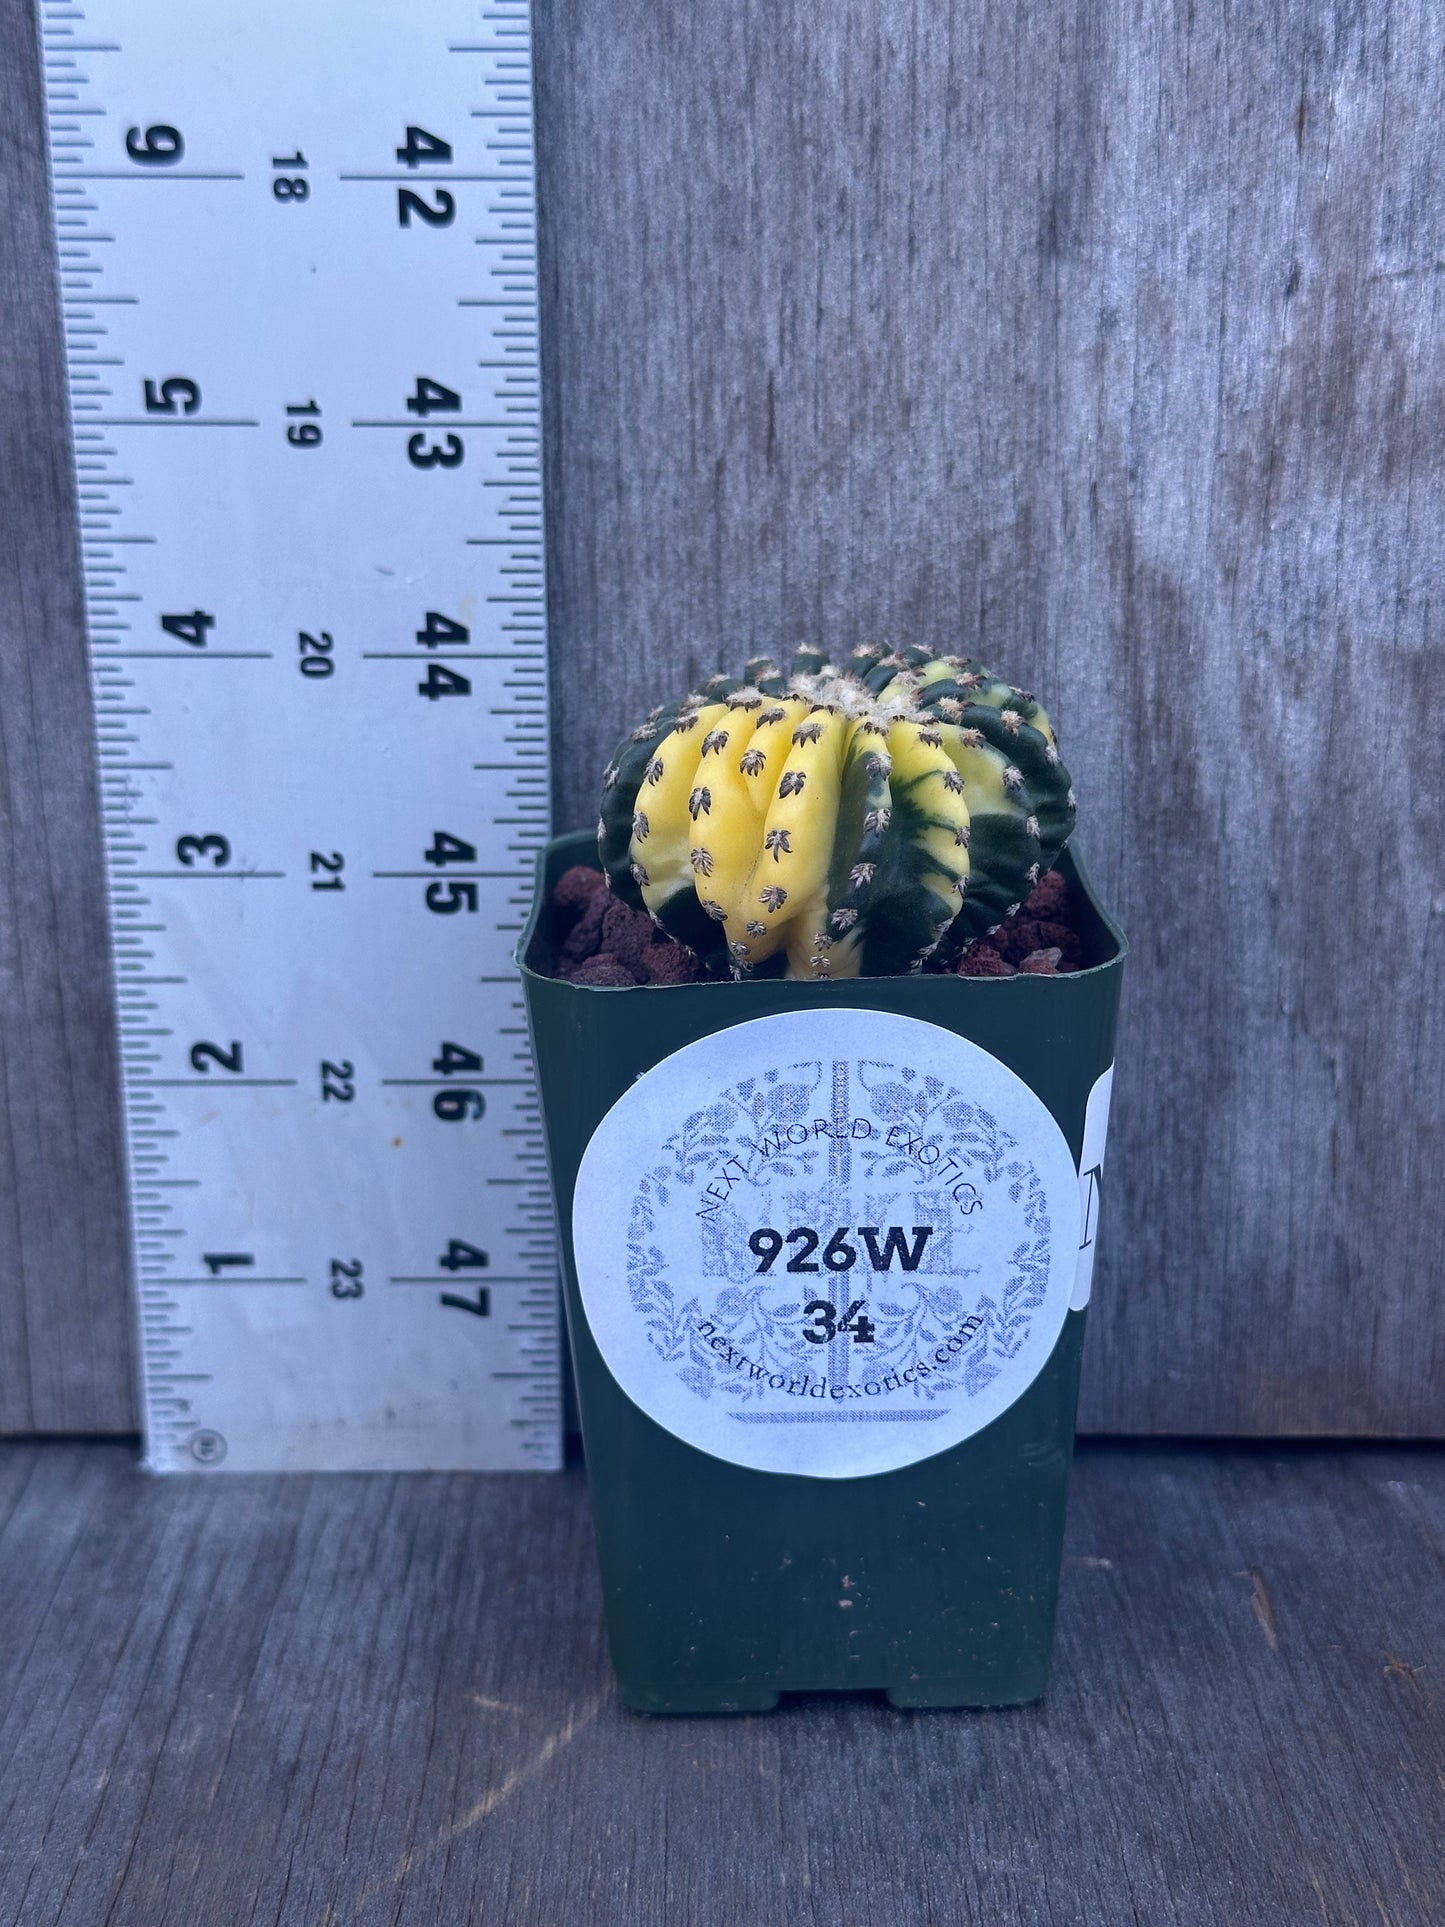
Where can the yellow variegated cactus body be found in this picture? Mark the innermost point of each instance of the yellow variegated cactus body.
(826, 824)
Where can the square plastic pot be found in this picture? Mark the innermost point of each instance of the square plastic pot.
(726, 1585)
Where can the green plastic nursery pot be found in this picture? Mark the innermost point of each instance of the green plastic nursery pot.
(826, 1249)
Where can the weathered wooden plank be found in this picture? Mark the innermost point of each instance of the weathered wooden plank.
(65, 1345)
(386, 1700)
(1103, 342)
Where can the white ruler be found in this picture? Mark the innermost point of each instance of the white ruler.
(298, 267)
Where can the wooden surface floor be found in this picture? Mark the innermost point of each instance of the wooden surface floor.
(353, 1700)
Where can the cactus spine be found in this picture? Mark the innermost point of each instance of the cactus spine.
(839, 821)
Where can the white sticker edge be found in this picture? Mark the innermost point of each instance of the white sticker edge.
(1091, 1184)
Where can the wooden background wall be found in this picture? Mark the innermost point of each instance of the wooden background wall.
(1100, 340)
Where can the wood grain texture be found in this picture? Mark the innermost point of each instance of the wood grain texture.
(65, 1322)
(1101, 341)
(386, 1700)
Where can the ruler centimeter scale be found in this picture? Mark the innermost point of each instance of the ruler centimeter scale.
(297, 253)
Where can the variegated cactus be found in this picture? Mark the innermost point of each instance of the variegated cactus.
(838, 821)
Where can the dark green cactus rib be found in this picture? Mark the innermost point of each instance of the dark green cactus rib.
(621, 781)
(1021, 802)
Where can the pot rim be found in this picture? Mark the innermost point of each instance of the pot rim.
(584, 849)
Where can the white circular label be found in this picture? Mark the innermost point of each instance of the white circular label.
(830, 1243)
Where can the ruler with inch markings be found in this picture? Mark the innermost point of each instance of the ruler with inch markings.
(297, 253)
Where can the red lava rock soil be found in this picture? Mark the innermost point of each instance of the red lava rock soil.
(600, 941)
(1040, 941)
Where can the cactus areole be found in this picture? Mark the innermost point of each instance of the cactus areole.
(837, 821)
